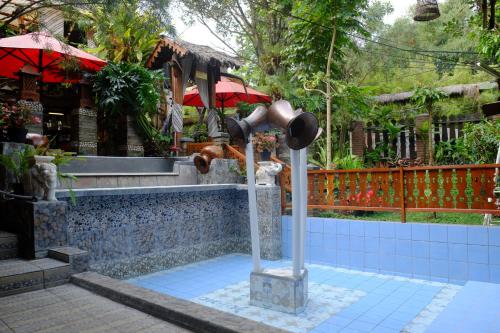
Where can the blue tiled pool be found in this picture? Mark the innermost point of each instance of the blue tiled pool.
(341, 300)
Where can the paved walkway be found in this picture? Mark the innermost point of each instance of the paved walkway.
(68, 309)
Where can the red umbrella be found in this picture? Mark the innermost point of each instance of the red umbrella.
(45, 53)
(228, 93)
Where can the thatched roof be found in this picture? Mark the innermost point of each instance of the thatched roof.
(452, 91)
(166, 47)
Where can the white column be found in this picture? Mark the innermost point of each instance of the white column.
(303, 202)
(252, 206)
(295, 161)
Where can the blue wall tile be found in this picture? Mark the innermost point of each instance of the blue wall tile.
(371, 260)
(403, 231)
(356, 259)
(477, 235)
(494, 255)
(494, 236)
(330, 257)
(477, 254)
(421, 267)
(387, 263)
(372, 229)
(438, 250)
(438, 233)
(316, 225)
(479, 272)
(439, 268)
(316, 252)
(458, 270)
(403, 247)
(404, 264)
(357, 243)
(457, 234)
(357, 228)
(343, 258)
(458, 252)
(420, 232)
(343, 228)
(420, 249)
(387, 246)
(316, 239)
(371, 244)
(343, 242)
(494, 273)
(388, 229)
(330, 227)
(329, 242)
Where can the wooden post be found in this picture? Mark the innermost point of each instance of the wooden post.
(402, 194)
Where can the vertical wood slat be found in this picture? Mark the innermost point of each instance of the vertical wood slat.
(412, 139)
(452, 127)
(444, 126)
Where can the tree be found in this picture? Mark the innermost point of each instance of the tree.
(320, 28)
(126, 33)
(259, 26)
(427, 97)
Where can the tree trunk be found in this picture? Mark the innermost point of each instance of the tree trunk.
(329, 100)
(484, 13)
(430, 136)
(491, 26)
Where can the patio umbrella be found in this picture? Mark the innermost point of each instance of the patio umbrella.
(46, 54)
(227, 94)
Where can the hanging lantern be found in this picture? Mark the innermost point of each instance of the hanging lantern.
(426, 10)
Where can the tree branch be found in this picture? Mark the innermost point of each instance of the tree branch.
(314, 90)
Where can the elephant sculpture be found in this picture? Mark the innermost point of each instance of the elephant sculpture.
(267, 172)
(44, 181)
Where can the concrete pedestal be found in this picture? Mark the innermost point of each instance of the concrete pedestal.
(279, 290)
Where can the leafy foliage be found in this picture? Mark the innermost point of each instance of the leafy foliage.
(127, 32)
(126, 88)
(18, 161)
(451, 152)
(481, 141)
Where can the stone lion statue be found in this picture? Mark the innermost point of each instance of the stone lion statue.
(267, 172)
(44, 181)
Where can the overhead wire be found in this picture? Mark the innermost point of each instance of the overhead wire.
(414, 51)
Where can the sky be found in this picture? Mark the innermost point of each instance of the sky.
(199, 34)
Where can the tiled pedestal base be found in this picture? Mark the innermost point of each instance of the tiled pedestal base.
(279, 290)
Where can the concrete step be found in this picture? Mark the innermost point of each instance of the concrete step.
(78, 259)
(18, 276)
(8, 245)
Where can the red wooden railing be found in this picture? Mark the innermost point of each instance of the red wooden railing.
(452, 188)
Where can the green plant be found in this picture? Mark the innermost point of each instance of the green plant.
(481, 140)
(131, 89)
(199, 132)
(347, 162)
(451, 152)
(18, 162)
(427, 97)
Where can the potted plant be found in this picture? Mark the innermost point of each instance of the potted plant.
(18, 163)
(15, 118)
(265, 144)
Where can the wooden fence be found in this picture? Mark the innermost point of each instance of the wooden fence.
(455, 188)
(406, 143)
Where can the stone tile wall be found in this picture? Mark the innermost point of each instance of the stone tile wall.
(130, 232)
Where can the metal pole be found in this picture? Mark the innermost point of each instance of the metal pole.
(303, 202)
(252, 206)
(295, 159)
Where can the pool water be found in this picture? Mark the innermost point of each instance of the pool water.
(340, 300)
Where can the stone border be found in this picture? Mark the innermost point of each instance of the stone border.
(147, 190)
(193, 316)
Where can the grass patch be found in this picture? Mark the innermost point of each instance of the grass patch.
(447, 218)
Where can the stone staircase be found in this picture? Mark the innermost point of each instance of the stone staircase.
(116, 172)
(19, 275)
(8, 245)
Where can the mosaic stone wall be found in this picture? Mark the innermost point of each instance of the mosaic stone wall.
(133, 231)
